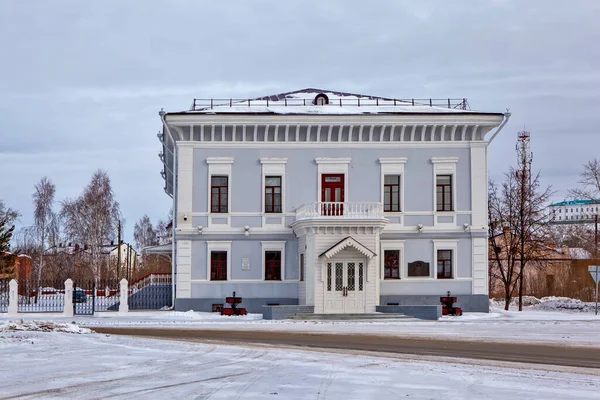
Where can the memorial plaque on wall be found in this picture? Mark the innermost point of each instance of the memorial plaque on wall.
(245, 264)
(418, 268)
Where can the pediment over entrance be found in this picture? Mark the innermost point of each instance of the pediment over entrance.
(345, 243)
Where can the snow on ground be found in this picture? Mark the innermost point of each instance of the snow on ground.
(44, 326)
(60, 365)
(531, 326)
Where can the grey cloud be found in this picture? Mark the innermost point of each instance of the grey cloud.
(79, 76)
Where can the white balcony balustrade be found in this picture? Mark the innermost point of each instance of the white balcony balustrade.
(341, 210)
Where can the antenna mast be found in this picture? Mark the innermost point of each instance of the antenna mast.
(524, 157)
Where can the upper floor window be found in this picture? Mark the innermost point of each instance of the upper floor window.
(391, 264)
(444, 264)
(443, 187)
(272, 265)
(391, 193)
(272, 194)
(219, 194)
(218, 265)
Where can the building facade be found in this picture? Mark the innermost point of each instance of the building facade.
(337, 201)
(574, 211)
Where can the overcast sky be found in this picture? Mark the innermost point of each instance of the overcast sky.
(81, 83)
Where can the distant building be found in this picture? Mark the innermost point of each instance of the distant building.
(22, 268)
(574, 211)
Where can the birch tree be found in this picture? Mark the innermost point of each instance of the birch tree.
(92, 218)
(144, 233)
(43, 215)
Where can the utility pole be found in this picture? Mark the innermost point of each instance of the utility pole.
(525, 157)
(118, 248)
(596, 256)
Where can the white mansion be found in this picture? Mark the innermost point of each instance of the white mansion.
(336, 201)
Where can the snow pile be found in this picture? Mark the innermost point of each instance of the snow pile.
(527, 301)
(553, 303)
(41, 326)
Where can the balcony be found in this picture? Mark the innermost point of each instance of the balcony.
(345, 210)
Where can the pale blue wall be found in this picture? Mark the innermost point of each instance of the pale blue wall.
(245, 248)
(301, 176)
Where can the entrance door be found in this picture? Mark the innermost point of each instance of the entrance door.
(345, 287)
(332, 192)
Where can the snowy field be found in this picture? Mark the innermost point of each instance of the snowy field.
(46, 363)
(561, 325)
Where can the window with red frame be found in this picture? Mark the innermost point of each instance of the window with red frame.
(272, 265)
(391, 264)
(218, 265)
(444, 264)
(219, 194)
(272, 194)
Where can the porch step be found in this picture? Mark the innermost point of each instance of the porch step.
(351, 317)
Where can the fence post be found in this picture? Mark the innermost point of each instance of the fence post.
(123, 301)
(68, 302)
(13, 297)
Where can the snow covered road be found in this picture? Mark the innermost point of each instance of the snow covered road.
(64, 365)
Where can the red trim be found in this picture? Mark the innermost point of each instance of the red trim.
(272, 265)
(218, 266)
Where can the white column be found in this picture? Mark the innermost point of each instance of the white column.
(124, 299)
(185, 185)
(68, 302)
(13, 297)
(479, 219)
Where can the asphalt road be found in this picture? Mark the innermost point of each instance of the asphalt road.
(526, 353)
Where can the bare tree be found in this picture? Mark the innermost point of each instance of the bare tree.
(43, 201)
(144, 233)
(164, 229)
(589, 179)
(92, 218)
(517, 230)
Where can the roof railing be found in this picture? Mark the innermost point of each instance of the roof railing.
(209, 104)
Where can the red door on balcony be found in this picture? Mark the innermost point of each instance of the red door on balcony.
(332, 191)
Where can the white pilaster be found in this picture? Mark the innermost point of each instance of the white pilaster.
(13, 297)
(480, 266)
(185, 184)
(68, 302)
(184, 269)
(479, 187)
(124, 299)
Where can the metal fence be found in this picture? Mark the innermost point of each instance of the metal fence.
(152, 292)
(96, 296)
(40, 297)
(4, 294)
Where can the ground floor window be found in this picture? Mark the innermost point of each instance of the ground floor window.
(391, 264)
(272, 265)
(444, 264)
(218, 265)
(301, 267)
